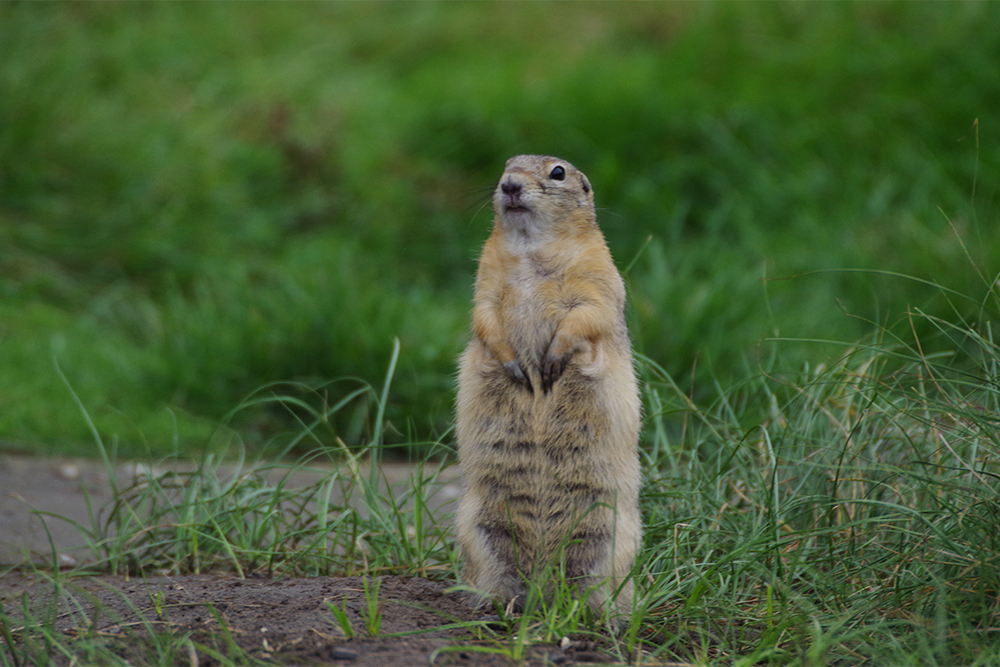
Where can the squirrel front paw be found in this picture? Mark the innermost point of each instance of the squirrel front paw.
(552, 369)
(515, 370)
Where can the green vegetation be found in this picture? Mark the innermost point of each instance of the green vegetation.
(854, 524)
(226, 213)
(199, 200)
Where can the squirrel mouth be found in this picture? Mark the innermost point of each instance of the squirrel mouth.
(514, 203)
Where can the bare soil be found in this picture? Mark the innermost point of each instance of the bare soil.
(285, 621)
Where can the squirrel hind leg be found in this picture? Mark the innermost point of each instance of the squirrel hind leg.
(491, 564)
(496, 584)
(599, 577)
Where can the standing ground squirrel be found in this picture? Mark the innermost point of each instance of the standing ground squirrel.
(548, 407)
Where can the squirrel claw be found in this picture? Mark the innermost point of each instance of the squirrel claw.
(516, 372)
(552, 369)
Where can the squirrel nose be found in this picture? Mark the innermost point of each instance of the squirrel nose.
(509, 187)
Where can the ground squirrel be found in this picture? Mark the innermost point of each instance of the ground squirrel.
(548, 407)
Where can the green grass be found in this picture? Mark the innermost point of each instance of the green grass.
(840, 514)
(209, 206)
(199, 200)
(852, 522)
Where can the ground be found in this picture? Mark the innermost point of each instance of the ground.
(287, 620)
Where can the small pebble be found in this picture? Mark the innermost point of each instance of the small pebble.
(451, 491)
(68, 471)
(343, 654)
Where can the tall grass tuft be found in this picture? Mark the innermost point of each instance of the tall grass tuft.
(247, 516)
(845, 512)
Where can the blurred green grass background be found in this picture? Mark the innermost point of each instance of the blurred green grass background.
(198, 200)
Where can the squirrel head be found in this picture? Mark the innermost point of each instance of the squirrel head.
(538, 191)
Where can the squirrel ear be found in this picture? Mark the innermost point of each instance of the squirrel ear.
(586, 183)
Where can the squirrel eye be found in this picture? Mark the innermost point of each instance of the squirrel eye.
(557, 174)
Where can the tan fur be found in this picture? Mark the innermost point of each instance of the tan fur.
(548, 408)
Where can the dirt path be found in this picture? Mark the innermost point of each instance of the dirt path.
(32, 490)
(42, 499)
